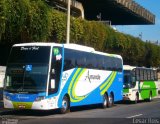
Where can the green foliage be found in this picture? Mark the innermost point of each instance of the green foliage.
(35, 21)
(59, 26)
(76, 30)
(2, 17)
(30, 20)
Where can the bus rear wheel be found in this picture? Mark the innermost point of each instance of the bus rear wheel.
(65, 107)
(110, 101)
(150, 97)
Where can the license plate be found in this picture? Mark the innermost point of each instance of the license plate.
(21, 106)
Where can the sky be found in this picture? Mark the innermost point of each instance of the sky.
(149, 32)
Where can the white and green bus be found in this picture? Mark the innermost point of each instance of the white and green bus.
(46, 76)
(140, 83)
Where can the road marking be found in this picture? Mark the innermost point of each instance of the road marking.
(135, 116)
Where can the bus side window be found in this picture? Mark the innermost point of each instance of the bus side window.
(141, 74)
(155, 75)
(145, 75)
(149, 74)
(137, 75)
(152, 75)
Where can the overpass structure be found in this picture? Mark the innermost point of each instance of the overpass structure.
(77, 9)
(118, 12)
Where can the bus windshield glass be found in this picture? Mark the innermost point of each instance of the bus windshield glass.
(27, 69)
(128, 79)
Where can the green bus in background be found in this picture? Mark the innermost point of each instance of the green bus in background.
(140, 83)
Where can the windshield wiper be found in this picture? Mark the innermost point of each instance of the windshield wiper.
(20, 89)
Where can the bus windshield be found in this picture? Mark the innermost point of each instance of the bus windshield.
(27, 69)
(128, 79)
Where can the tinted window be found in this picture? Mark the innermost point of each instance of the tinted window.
(74, 58)
(145, 75)
(69, 61)
(149, 74)
(137, 74)
(30, 54)
(19, 79)
(152, 75)
(155, 75)
(141, 75)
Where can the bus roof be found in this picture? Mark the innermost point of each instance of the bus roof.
(128, 67)
(108, 54)
(69, 46)
(79, 47)
(38, 44)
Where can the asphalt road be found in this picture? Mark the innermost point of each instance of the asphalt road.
(121, 113)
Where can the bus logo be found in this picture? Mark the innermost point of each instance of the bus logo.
(92, 77)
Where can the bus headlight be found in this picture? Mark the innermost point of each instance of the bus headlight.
(128, 94)
(39, 98)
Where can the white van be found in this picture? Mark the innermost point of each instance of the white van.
(2, 75)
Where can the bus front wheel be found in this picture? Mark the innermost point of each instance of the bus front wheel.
(105, 101)
(65, 107)
(137, 98)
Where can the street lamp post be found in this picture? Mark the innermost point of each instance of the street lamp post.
(68, 21)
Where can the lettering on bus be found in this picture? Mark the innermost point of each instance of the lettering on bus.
(92, 77)
(146, 86)
(33, 48)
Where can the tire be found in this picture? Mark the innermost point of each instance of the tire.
(110, 101)
(150, 97)
(105, 101)
(65, 105)
(136, 99)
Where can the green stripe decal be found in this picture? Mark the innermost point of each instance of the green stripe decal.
(126, 90)
(78, 74)
(73, 79)
(108, 83)
(104, 84)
